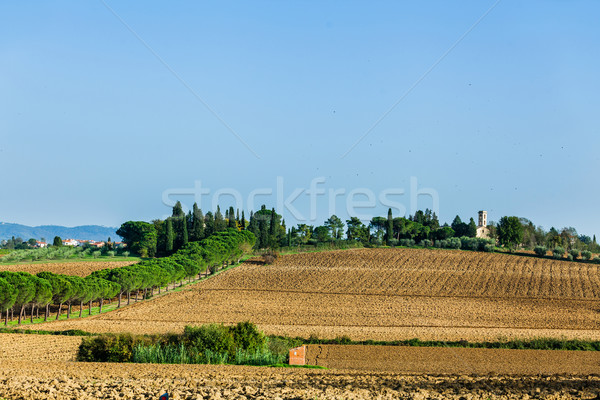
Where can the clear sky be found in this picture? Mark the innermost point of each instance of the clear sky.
(109, 109)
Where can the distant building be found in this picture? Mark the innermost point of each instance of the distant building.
(70, 242)
(482, 229)
(40, 244)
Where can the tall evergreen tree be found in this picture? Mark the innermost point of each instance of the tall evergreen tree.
(184, 233)
(263, 231)
(197, 232)
(160, 227)
(220, 224)
(435, 222)
(178, 210)
(231, 223)
(169, 236)
(209, 224)
(389, 228)
(273, 230)
(472, 228)
(243, 221)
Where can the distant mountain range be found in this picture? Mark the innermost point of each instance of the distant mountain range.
(85, 232)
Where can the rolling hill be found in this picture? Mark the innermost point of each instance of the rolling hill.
(89, 232)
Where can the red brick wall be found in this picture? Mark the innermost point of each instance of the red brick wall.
(298, 355)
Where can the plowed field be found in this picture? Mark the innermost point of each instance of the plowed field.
(78, 268)
(38, 347)
(69, 380)
(382, 294)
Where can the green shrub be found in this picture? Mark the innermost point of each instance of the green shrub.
(343, 340)
(468, 243)
(454, 243)
(574, 253)
(110, 348)
(488, 248)
(214, 337)
(558, 252)
(586, 255)
(247, 337)
(570, 257)
(540, 251)
(426, 243)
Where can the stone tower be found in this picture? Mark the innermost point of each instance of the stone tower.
(482, 230)
(482, 219)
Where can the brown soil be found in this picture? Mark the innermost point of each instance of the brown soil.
(382, 294)
(38, 347)
(68, 380)
(461, 361)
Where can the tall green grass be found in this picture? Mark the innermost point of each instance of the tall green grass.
(180, 354)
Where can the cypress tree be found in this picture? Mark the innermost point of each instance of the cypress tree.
(197, 232)
(178, 210)
(472, 228)
(170, 237)
(263, 238)
(220, 224)
(232, 222)
(389, 228)
(243, 221)
(209, 224)
(184, 234)
(273, 230)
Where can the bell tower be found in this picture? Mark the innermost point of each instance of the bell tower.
(482, 219)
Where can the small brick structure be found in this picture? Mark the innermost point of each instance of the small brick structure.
(298, 355)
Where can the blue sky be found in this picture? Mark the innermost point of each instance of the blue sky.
(95, 129)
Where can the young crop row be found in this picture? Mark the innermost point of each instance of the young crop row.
(21, 290)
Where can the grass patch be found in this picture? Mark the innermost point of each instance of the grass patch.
(530, 344)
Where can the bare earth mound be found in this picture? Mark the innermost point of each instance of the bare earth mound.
(382, 294)
(78, 268)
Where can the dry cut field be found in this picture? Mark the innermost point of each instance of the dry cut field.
(382, 294)
(78, 268)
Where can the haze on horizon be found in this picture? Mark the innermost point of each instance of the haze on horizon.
(112, 110)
